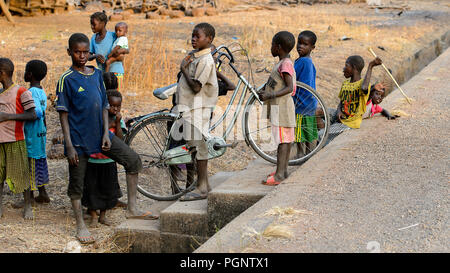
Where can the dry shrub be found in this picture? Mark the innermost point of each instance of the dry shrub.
(150, 63)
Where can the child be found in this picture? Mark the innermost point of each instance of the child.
(305, 102)
(119, 47)
(16, 106)
(101, 184)
(83, 110)
(224, 85)
(277, 92)
(354, 92)
(197, 93)
(102, 40)
(36, 131)
(102, 43)
(372, 105)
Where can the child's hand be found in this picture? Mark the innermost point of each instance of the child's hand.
(375, 62)
(72, 156)
(100, 58)
(392, 117)
(106, 143)
(118, 117)
(3, 117)
(265, 96)
(186, 61)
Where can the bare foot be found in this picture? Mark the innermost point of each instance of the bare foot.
(28, 213)
(104, 221)
(84, 236)
(94, 222)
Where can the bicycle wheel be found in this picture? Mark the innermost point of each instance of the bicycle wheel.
(149, 138)
(258, 129)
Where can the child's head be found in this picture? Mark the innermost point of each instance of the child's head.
(353, 64)
(282, 43)
(6, 69)
(377, 93)
(78, 49)
(306, 43)
(203, 36)
(110, 81)
(121, 29)
(115, 101)
(98, 21)
(35, 70)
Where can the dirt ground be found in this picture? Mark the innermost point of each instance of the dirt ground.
(156, 50)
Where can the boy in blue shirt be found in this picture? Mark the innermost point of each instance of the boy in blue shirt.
(83, 109)
(36, 131)
(305, 102)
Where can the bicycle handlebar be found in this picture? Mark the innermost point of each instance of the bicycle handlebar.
(229, 55)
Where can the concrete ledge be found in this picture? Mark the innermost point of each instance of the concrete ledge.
(224, 206)
(188, 218)
(180, 243)
(139, 236)
(237, 194)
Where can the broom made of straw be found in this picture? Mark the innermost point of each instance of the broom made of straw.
(392, 77)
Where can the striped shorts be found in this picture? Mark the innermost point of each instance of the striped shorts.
(38, 172)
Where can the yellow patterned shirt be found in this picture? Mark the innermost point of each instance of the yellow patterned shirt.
(353, 102)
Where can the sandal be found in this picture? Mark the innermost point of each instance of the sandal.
(191, 196)
(271, 181)
(145, 216)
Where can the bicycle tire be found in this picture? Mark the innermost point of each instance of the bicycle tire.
(156, 179)
(250, 109)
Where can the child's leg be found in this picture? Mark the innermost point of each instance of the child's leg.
(102, 218)
(130, 160)
(282, 161)
(94, 219)
(43, 196)
(27, 209)
(75, 192)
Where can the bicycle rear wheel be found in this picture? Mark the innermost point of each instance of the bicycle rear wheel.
(149, 138)
(258, 129)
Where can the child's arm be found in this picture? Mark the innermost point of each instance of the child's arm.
(100, 58)
(195, 85)
(72, 155)
(118, 124)
(117, 51)
(287, 78)
(366, 82)
(388, 115)
(29, 114)
(229, 84)
(106, 142)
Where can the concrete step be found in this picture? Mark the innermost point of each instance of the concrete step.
(184, 226)
(237, 194)
(175, 231)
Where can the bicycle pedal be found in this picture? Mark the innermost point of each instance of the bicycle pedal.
(220, 146)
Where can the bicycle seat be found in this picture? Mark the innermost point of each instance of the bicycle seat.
(165, 92)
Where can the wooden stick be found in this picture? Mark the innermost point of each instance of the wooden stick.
(392, 77)
(6, 11)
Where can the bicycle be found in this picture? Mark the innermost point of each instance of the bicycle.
(151, 136)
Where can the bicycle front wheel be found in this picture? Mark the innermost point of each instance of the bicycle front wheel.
(311, 134)
(150, 138)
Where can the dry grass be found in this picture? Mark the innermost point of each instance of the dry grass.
(285, 212)
(278, 231)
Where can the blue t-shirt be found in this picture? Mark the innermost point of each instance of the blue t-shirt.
(305, 102)
(83, 96)
(35, 131)
(104, 48)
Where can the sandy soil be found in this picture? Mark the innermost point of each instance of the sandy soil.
(46, 38)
